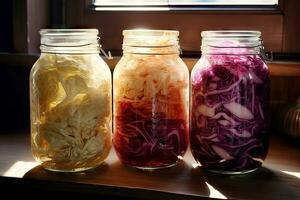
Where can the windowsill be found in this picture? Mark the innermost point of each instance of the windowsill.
(278, 178)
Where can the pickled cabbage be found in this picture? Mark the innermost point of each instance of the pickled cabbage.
(229, 119)
(150, 110)
(71, 112)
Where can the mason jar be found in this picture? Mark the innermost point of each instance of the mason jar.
(70, 101)
(151, 93)
(230, 102)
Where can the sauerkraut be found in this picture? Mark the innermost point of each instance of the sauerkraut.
(150, 110)
(70, 111)
(229, 112)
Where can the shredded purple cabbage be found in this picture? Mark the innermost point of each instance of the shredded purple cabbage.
(229, 112)
(145, 140)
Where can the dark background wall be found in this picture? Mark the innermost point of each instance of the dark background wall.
(14, 91)
(6, 22)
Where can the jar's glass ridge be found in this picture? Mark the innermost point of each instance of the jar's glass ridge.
(70, 41)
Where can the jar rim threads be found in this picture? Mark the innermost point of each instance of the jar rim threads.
(232, 42)
(69, 41)
(147, 41)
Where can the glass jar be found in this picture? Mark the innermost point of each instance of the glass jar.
(70, 100)
(230, 102)
(150, 100)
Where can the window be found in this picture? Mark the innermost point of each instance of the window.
(130, 2)
(223, 2)
(183, 2)
(174, 3)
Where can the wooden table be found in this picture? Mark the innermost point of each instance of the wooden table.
(279, 178)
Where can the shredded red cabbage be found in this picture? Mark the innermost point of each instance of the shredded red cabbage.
(229, 112)
(142, 139)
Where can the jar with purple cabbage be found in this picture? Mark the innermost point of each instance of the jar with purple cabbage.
(230, 103)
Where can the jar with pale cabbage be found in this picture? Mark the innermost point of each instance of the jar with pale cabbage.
(70, 101)
(230, 103)
(151, 93)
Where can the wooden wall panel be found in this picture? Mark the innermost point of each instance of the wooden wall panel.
(38, 18)
(29, 16)
(291, 34)
(20, 27)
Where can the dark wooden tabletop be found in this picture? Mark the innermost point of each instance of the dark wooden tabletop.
(279, 178)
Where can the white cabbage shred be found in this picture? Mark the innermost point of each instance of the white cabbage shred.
(152, 78)
(71, 111)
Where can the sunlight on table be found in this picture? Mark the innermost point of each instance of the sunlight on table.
(19, 169)
(296, 174)
(213, 193)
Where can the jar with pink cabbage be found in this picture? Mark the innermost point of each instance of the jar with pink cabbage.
(230, 103)
(151, 93)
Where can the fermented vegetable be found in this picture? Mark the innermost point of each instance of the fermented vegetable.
(229, 121)
(150, 104)
(70, 111)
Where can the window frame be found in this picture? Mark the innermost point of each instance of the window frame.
(197, 8)
(81, 13)
(181, 8)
